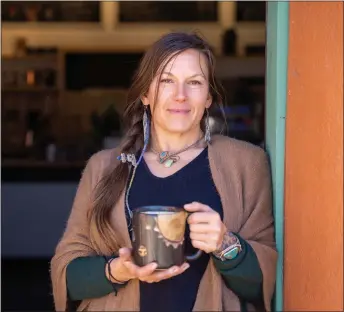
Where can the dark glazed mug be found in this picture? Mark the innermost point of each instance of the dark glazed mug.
(159, 233)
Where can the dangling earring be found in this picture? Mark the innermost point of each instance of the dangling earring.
(207, 128)
(145, 124)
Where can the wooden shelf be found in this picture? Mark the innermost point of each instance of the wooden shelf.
(31, 57)
(29, 89)
(34, 61)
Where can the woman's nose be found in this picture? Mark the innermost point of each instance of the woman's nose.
(180, 95)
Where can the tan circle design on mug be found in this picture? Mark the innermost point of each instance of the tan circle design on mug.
(171, 228)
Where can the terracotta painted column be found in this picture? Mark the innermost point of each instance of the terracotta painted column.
(313, 258)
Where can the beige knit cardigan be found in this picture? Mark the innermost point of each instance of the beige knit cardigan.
(242, 177)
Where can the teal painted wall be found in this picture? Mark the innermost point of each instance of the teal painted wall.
(276, 97)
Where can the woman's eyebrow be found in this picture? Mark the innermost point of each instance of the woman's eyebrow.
(193, 76)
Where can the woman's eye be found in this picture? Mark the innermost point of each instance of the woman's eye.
(195, 82)
(166, 80)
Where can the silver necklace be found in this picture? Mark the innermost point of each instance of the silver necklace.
(168, 159)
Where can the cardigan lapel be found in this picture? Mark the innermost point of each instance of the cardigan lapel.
(212, 290)
(227, 182)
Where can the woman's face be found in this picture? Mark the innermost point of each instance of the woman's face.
(183, 93)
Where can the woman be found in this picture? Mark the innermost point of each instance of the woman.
(168, 157)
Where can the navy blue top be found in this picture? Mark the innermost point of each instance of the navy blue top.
(192, 183)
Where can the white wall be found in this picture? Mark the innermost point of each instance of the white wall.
(110, 34)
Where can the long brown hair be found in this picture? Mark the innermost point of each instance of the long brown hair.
(113, 183)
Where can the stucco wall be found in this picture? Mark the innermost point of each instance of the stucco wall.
(313, 266)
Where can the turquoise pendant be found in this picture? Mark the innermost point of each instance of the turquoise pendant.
(163, 156)
(168, 163)
(167, 160)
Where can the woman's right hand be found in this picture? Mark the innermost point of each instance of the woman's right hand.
(124, 269)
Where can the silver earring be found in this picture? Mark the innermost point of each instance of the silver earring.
(207, 137)
(145, 124)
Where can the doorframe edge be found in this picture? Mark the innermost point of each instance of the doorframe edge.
(277, 34)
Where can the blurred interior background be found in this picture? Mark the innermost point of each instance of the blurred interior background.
(65, 71)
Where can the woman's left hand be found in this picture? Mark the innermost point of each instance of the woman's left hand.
(206, 228)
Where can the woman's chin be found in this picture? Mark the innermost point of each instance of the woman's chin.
(181, 129)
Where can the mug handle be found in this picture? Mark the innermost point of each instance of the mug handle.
(194, 256)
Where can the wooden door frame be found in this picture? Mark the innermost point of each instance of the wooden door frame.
(277, 36)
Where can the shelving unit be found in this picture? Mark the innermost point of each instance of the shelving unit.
(29, 95)
(26, 93)
(23, 91)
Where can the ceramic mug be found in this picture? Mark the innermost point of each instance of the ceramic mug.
(158, 236)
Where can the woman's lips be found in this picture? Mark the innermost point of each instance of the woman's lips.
(178, 111)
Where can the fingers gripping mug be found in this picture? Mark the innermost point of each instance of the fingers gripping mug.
(159, 233)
